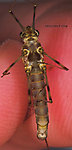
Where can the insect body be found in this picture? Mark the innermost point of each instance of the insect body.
(35, 68)
(33, 58)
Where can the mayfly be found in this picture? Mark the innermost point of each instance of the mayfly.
(35, 68)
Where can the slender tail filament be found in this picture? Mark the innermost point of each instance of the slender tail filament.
(47, 144)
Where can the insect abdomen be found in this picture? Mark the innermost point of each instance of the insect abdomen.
(40, 106)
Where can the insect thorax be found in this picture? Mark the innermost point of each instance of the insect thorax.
(33, 55)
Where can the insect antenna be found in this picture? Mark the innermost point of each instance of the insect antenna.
(33, 25)
(10, 11)
(47, 144)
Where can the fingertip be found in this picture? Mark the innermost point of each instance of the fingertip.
(13, 93)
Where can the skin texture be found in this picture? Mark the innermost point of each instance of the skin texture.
(17, 132)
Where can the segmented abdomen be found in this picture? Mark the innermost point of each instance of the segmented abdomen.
(40, 104)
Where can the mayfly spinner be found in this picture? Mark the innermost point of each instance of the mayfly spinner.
(35, 68)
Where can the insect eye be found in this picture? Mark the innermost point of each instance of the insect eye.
(21, 34)
(37, 32)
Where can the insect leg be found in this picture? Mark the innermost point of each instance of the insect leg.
(16, 19)
(46, 143)
(50, 99)
(50, 65)
(6, 71)
(62, 66)
(29, 91)
(45, 97)
(33, 25)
